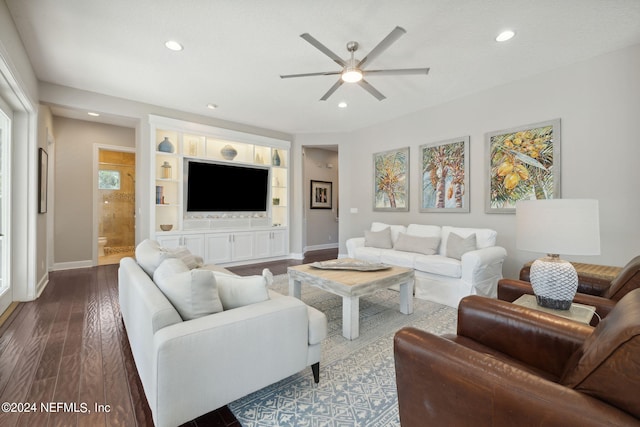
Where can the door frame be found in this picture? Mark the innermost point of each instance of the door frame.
(96, 218)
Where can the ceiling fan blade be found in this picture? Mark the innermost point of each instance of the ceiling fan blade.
(394, 35)
(325, 73)
(322, 48)
(398, 72)
(372, 90)
(333, 89)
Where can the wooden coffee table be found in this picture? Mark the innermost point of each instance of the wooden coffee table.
(351, 285)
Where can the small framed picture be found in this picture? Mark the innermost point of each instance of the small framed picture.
(321, 195)
(43, 172)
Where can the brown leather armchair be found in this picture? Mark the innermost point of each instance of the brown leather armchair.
(510, 365)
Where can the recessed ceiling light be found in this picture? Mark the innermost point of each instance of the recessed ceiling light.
(505, 35)
(93, 114)
(173, 45)
(342, 104)
(212, 106)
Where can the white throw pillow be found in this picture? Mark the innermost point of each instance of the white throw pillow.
(193, 293)
(458, 246)
(417, 244)
(378, 239)
(149, 255)
(237, 291)
(184, 254)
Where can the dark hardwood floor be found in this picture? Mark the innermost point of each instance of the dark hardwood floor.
(67, 351)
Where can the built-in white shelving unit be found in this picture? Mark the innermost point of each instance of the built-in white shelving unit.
(219, 237)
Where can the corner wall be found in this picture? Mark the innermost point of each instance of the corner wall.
(598, 102)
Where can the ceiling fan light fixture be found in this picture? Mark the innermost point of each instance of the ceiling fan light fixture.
(173, 45)
(351, 75)
(505, 35)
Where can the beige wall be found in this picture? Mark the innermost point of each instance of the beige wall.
(73, 225)
(598, 102)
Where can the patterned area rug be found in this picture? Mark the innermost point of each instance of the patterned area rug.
(357, 378)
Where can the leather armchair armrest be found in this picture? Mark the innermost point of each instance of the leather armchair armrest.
(535, 338)
(443, 383)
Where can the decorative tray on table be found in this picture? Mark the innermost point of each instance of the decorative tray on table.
(349, 264)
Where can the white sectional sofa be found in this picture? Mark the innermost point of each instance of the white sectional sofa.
(449, 262)
(191, 367)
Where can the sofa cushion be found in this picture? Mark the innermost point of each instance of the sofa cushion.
(237, 291)
(485, 237)
(378, 239)
(192, 292)
(149, 255)
(438, 264)
(395, 229)
(366, 253)
(424, 230)
(418, 244)
(458, 245)
(398, 258)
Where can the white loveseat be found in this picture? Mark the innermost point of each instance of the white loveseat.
(191, 367)
(446, 269)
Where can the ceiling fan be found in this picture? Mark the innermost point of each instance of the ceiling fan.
(353, 71)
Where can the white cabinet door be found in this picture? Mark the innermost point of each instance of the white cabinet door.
(217, 248)
(242, 246)
(263, 244)
(278, 243)
(170, 242)
(195, 244)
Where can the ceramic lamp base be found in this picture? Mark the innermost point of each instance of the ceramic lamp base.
(554, 282)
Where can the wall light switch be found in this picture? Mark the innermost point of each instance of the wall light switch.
(354, 210)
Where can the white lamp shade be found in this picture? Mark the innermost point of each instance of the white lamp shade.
(558, 226)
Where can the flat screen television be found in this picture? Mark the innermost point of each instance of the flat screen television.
(220, 187)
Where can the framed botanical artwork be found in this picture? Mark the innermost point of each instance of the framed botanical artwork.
(445, 176)
(321, 194)
(391, 180)
(43, 172)
(523, 164)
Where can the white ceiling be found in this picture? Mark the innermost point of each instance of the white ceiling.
(235, 51)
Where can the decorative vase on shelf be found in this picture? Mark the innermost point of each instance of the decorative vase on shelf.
(228, 152)
(166, 170)
(166, 146)
(276, 158)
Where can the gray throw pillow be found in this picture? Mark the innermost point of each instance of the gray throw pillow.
(378, 239)
(193, 293)
(184, 254)
(236, 291)
(417, 244)
(458, 246)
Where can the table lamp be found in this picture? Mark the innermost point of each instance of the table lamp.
(557, 226)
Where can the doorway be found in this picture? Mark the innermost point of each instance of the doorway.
(115, 205)
(6, 295)
(321, 221)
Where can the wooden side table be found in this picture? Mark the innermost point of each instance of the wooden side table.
(579, 312)
(593, 279)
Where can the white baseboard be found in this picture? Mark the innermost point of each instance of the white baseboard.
(72, 265)
(320, 247)
(296, 255)
(44, 281)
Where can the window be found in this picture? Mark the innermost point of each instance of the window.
(108, 180)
